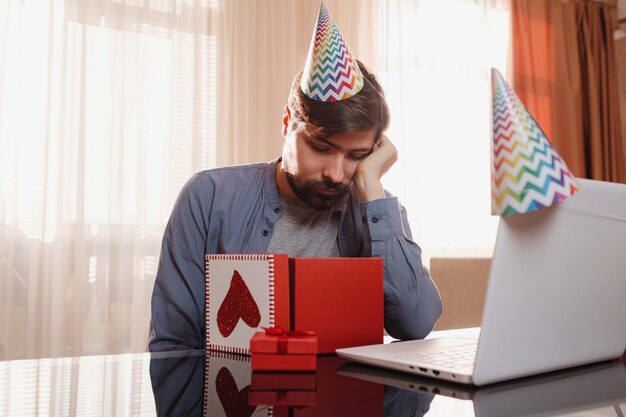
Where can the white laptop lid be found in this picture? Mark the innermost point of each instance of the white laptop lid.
(557, 290)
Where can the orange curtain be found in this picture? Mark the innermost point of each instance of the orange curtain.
(565, 72)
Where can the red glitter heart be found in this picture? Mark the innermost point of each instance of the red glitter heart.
(238, 304)
(234, 402)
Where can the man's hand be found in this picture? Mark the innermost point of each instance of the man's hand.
(369, 172)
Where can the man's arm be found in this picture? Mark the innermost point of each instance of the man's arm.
(178, 295)
(412, 302)
(403, 403)
(177, 383)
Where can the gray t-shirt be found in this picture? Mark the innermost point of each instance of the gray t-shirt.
(303, 232)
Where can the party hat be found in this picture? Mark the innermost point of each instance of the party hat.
(331, 73)
(526, 172)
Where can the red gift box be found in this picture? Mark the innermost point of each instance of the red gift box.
(292, 381)
(272, 362)
(282, 398)
(277, 350)
(295, 389)
(341, 299)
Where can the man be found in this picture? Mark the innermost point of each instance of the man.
(323, 198)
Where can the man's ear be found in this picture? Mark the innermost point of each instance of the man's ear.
(286, 120)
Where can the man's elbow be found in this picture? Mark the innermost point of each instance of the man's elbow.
(164, 341)
(170, 345)
(415, 326)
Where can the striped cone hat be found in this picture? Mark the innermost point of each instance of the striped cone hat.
(331, 73)
(526, 171)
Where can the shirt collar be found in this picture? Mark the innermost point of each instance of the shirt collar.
(269, 184)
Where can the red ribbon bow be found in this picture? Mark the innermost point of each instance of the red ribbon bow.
(284, 335)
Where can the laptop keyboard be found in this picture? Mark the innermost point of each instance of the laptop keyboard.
(458, 357)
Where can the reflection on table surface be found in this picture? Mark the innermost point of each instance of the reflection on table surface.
(215, 384)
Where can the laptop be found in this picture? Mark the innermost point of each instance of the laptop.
(556, 297)
(583, 390)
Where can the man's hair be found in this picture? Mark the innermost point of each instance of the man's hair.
(364, 111)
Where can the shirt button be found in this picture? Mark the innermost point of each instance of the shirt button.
(276, 209)
(375, 219)
(265, 233)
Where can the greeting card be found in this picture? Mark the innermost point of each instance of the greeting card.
(244, 292)
(227, 386)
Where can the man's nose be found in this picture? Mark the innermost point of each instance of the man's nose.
(333, 170)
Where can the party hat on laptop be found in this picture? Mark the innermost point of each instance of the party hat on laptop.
(526, 171)
(331, 73)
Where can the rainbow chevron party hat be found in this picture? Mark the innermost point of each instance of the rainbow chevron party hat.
(331, 73)
(526, 172)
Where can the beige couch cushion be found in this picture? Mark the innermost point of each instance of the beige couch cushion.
(462, 283)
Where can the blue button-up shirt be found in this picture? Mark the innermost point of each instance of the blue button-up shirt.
(234, 210)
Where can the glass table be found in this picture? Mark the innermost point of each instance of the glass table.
(195, 383)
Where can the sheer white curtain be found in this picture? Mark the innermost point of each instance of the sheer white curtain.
(108, 106)
(116, 385)
(435, 58)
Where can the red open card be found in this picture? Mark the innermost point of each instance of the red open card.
(341, 299)
(339, 396)
(282, 398)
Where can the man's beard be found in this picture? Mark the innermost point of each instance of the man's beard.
(308, 194)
